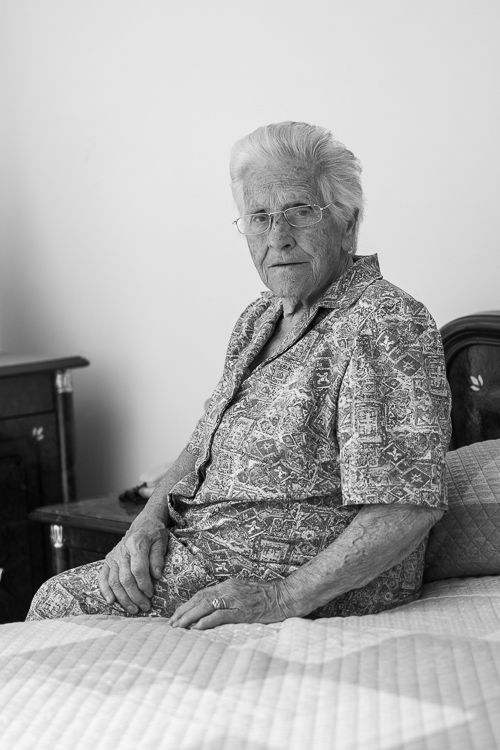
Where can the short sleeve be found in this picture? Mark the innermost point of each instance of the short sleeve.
(393, 423)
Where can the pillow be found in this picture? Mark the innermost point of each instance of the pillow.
(466, 541)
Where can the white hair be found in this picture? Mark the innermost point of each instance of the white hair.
(335, 169)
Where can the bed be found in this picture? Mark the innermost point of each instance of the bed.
(425, 676)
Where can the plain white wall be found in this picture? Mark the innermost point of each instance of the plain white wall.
(116, 236)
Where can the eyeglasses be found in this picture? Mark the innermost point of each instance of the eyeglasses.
(297, 216)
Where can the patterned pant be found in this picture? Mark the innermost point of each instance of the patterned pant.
(196, 559)
(76, 592)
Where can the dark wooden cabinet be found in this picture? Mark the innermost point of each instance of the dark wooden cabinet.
(36, 468)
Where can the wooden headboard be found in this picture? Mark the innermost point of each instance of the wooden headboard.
(472, 353)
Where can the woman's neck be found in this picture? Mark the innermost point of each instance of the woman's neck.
(297, 308)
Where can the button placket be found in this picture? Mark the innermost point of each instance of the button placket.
(236, 377)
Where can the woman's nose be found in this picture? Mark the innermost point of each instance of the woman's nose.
(280, 234)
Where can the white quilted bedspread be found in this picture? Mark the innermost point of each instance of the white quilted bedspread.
(423, 677)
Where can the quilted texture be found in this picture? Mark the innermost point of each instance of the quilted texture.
(425, 676)
(466, 541)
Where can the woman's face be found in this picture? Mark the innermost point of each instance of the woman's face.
(297, 264)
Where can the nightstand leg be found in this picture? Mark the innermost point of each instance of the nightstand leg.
(59, 561)
(65, 421)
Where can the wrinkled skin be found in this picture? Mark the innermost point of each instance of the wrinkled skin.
(129, 569)
(245, 601)
(297, 264)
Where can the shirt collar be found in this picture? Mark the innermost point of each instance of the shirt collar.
(350, 286)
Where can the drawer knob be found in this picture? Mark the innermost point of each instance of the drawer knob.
(476, 383)
(37, 434)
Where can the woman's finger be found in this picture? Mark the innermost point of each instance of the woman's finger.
(106, 589)
(219, 617)
(186, 606)
(139, 567)
(119, 592)
(134, 569)
(191, 614)
(128, 584)
(157, 557)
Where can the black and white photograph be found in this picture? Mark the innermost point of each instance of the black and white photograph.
(249, 375)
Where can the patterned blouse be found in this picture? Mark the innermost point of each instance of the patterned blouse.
(352, 409)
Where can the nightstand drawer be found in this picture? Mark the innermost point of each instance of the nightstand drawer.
(95, 543)
(26, 394)
(30, 466)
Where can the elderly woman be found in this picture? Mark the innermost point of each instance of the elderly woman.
(310, 484)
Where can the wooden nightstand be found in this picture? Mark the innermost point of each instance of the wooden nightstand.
(36, 467)
(85, 531)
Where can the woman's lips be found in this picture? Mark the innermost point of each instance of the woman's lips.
(281, 265)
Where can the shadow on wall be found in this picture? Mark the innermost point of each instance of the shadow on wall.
(97, 447)
(35, 320)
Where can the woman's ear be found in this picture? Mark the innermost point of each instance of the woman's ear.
(351, 226)
(351, 231)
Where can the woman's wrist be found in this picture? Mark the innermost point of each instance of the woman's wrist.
(157, 507)
(149, 517)
(292, 600)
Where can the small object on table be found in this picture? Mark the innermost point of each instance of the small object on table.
(148, 481)
(133, 496)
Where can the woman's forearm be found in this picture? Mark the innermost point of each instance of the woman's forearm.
(379, 537)
(157, 504)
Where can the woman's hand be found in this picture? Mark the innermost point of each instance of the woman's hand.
(244, 601)
(127, 572)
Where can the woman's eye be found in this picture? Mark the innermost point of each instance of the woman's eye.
(258, 218)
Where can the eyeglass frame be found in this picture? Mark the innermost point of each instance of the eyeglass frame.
(283, 211)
